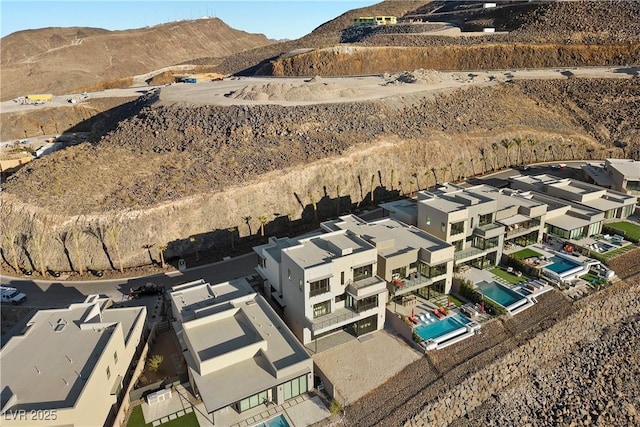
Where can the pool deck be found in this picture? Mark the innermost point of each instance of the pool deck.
(303, 410)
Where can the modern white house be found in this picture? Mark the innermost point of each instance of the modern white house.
(409, 259)
(621, 175)
(464, 219)
(240, 354)
(67, 367)
(612, 203)
(325, 283)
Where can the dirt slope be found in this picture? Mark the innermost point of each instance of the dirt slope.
(57, 60)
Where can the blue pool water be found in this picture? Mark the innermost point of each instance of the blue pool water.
(500, 294)
(279, 421)
(560, 265)
(441, 327)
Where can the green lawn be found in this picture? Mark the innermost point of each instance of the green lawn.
(454, 300)
(137, 420)
(525, 253)
(511, 278)
(614, 253)
(630, 229)
(188, 420)
(593, 279)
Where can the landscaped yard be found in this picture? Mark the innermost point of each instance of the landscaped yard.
(593, 279)
(526, 253)
(509, 277)
(630, 229)
(137, 420)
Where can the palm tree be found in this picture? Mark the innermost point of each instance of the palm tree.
(338, 199)
(373, 183)
(10, 233)
(494, 149)
(518, 142)
(507, 144)
(114, 233)
(193, 241)
(263, 221)
(483, 159)
(162, 248)
(77, 237)
(38, 232)
(473, 169)
(570, 145)
(415, 175)
(312, 200)
(460, 165)
(247, 220)
(532, 145)
(435, 176)
(551, 152)
(392, 174)
(232, 232)
(444, 169)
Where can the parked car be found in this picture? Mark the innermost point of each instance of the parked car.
(97, 273)
(146, 289)
(11, 295)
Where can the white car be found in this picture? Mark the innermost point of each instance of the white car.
(12, 295)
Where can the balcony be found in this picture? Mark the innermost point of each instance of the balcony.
(366, 286)
(403, 286)
(522, 228)
(470, 253)
(490, 230)
(338, 318)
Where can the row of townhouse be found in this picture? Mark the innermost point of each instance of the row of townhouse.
(341, 279)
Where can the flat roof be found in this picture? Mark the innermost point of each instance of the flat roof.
(243, 322)
(52, 360)
(515, 219)
(597, 172)
(318, 250)
(568, 222)
(450, 198)
(409, 207)
(194, 296)
(404, 237)
(628, 167)
(274, 247)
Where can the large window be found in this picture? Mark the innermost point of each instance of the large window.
(485, 219)
(252, 401)
(318, 287)
(321, 309)
(433, 271)
(362, 272)
(363, 304)
(458, 245)
(457, 228)
(295, 387)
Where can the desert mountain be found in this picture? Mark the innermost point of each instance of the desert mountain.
(58, 60)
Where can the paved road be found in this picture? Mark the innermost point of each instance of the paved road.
(44, 293)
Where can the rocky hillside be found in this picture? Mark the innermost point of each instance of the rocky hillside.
(177, 165)
(546, 32)
(58, 60)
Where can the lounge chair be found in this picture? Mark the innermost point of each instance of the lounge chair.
(424, 319)
(437, 313)
(430, 317)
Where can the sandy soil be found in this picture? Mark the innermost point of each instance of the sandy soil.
(289, 91)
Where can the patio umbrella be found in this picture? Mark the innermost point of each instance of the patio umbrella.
(412, 315)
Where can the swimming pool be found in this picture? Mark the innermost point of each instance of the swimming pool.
(441, 327)
(500, 294)
(561, 265)
(279, 421)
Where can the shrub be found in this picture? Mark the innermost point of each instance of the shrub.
(335, 407)
(417, 338)
(154, 362)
